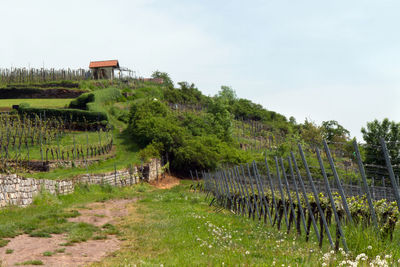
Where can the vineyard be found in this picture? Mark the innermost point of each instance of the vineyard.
(256, 164)
(285, 193)
(32, 75)
(26, 143)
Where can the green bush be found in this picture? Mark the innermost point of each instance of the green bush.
(94, 101)
(107, 95)
(74, 115)
(150, 151)
(81, 101)
(191, 141)
(52, 84)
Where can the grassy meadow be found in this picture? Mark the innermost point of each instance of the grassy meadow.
(177, 227)
(43, 103)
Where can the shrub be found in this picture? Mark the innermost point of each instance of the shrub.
(81, 101)
(150, 151)
(74, 115)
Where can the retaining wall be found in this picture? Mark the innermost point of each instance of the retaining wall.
(20, 191)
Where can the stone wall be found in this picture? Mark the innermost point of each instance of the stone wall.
(20, 191)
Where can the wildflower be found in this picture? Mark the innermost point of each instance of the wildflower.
(247, 252)
(369, 247)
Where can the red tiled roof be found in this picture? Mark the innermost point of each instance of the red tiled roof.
(105, 63)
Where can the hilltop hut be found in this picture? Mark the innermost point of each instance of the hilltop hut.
(103, 69)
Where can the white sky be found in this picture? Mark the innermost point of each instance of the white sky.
(336, 60)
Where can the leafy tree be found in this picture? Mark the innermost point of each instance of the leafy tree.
(186, 94)
(292, 120)
(167, 81)
(221, 119)
(192, 141)
(390, 132)
(227, 95)
(311, 133)
(247, 110)
(334, 132)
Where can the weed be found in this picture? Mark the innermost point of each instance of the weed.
(66, 244)
(4, 242)
(110, 229)
(48, 253)
(81, 232)
(31, 262)
(99, 237)
(40, 233)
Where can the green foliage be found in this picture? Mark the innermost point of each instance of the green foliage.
(311, 133)
(96, 100)
(20, 93)
(187, 94)
(227, 95)
(244, 109)
(390, 132)
(150, 151)
(48, 253)
(4, 242)
(120, 114)
(192, 141)
(81, 232)
(220, 119)
(75, 115)
(165, 76)
(81, 101)
(31, 262)
(334, 132)
(50, 84)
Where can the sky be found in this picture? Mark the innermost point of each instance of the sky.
(316, 60)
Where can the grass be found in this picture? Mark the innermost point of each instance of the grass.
(45, 103)
(31, 262)
(178, 228)
(48, 214)
(126, 154)
(48, 253)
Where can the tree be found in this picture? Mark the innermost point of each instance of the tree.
(311, 133)
(390, 132)
(227, 95)
(292, 120)
(332, 131)
(165, 76)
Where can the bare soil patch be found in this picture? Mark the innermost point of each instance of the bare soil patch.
(166, 182)
(27, 248)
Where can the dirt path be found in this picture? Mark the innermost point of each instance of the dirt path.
(26, 248)
(166, 182)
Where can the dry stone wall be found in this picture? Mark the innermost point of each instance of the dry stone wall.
(20, 191)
